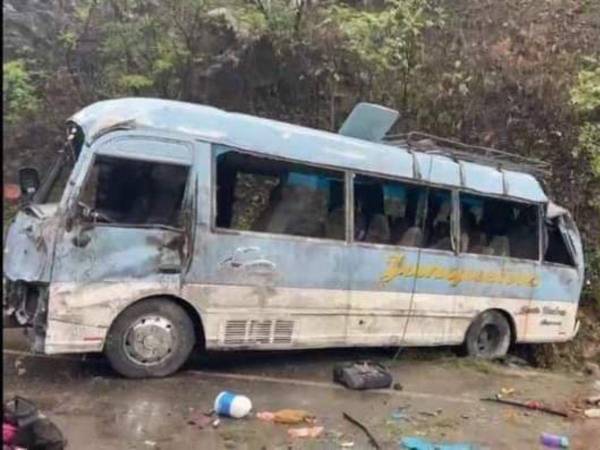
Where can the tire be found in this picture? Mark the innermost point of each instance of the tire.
(152, 338)
(488, 336)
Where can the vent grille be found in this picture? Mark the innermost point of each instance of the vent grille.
(239, 332)
(283, 332)
(260, 331)
(235, 332)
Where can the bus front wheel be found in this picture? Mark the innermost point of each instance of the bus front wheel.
(488, 336)
(151, 338)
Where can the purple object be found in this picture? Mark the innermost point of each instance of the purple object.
(554, 441)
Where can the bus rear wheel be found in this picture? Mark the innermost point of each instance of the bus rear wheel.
(488, 336)
(151, 338)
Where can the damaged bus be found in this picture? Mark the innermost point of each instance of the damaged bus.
(183, 225)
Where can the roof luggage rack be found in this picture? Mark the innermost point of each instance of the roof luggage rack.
(466, 152)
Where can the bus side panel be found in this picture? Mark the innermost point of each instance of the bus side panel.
(264, 291)
(451, 291)
(380, 300)
(553, 310)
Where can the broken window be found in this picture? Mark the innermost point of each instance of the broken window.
(386, 212)
(135, 192)
(556, 248)
(438, 225)
(491, 226)
(267, 195)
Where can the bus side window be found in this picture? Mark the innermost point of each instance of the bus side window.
(386, 212)
(491, 226)
(267, 195)
(556, 250)
(438, 220)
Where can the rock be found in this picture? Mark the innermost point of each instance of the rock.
(398, 387)
(592, 369)
(592, 413)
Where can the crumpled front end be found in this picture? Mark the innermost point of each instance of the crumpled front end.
(26, 305)
(26, 270)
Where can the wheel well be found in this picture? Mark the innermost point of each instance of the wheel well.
(188, 308)
(509, 319)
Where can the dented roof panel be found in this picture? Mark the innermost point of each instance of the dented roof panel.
(300, 143)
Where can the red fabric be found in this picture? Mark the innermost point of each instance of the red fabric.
(8, 433)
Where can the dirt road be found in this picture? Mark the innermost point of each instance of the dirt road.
(98, 410)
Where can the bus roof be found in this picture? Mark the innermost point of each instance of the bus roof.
(319, 147)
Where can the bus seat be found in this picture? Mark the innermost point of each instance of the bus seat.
(335, 227)
(464, 242)
(413, 237)
(360, 226)
(300, 211)
(379, 230)
(500, 246)
(443, 244)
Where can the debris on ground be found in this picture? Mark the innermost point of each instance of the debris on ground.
(311, 432)
(362, 375)
(435, 413)
(232, 405)
(591, 368)
(398, 387)
(19, 366)
(202, 420)
(417, 443)
(512, 361)
(594, 400)
(348, 444)
(593, 413)
(532, 404)
(505, 392)
(399, 414)
(150, 443)
(287, 416)
(33, 429)
(372, 439)
(554, 441)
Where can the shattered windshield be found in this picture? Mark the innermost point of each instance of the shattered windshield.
(55, 179)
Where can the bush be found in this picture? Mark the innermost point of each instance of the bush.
(19, 94)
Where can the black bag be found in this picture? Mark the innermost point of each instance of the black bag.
(34, 431)
(362, 375)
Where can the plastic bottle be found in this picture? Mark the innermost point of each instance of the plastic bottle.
(232, 405)
(554, 441)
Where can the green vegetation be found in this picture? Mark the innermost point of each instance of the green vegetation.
(19, 95)
(585, 97)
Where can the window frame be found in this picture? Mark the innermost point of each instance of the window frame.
(185, 200)
(418, 183)
(539, 210)
(350, 175)
(567, 246)
(232, 231)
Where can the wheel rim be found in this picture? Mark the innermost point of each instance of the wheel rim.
(488, 339)
(149, 340)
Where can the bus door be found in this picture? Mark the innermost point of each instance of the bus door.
(128, 221)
